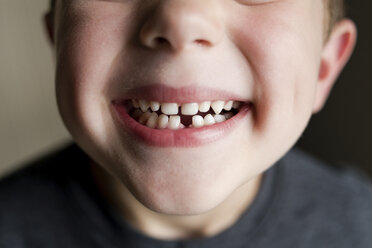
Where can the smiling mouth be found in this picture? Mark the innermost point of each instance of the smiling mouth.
(164, 116)
(176, 116)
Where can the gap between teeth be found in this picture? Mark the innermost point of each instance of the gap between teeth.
(168, 113)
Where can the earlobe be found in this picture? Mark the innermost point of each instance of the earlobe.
(336, 52)
(49, 26)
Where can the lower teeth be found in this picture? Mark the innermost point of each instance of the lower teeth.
(174, 122)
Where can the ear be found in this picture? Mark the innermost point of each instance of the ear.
(49, 26)
(335, 54)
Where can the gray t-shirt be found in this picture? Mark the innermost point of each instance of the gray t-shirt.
(302, 203)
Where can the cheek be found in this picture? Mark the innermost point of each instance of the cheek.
(284, 58)
(86, 55)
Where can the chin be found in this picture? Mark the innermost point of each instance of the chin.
(181, 193)
(196, 202)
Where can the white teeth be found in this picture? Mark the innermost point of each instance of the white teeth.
(236, 105)
(155, 106)
(219, 118)
(135, 103)
(189, 108)
(209, 120)
(163, 121)
(169, 108)
(204, 106)
(144, 105)
(217, 106)
(144, 117)
(152, 121)
(174, 122)
(228, 115)
(197, 121)
(145, 113)
(228, 105)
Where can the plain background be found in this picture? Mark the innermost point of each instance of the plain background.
(29, 121)
(342, 131)
(30, 125)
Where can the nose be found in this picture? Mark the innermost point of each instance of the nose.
(181, 24)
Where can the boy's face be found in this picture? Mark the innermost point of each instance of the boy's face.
(266, 53)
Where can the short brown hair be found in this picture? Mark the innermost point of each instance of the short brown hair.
(335, 13)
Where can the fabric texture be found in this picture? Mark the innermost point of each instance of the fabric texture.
(302, 203)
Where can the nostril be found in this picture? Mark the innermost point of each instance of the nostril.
(203, 42)
(161, 41)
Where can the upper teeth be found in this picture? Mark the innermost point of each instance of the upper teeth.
(217, 106)
(189, 108)
(186, 108)
(155, 106)
(144, 105)
(204, 106)
(168, 117)
(169, 108)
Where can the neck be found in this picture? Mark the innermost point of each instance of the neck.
(172, 227)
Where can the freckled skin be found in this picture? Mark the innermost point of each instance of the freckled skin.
(267, 51)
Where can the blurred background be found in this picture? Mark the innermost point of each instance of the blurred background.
(29, 121)
(342, 131)
(30, 125)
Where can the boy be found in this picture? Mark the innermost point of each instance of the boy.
(186, 111)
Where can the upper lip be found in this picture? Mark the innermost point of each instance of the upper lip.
(164, 93)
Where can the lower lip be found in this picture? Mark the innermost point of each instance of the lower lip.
(187, 137)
